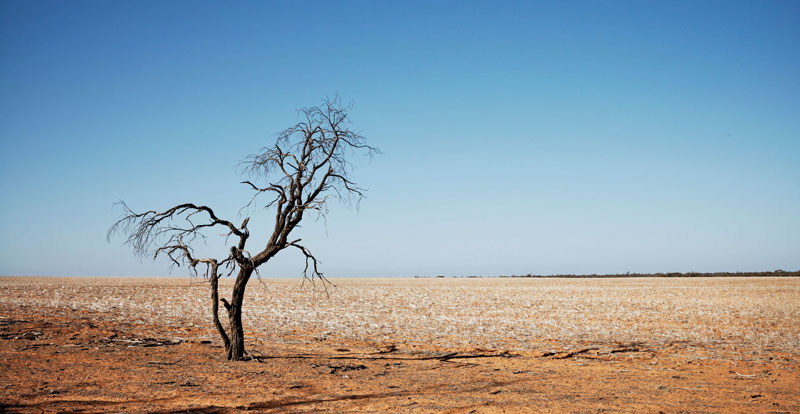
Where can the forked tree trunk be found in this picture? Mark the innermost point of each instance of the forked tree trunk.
(236, 348)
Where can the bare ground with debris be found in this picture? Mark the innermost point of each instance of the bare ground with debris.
(100, 345)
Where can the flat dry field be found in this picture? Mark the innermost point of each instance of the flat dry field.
(404, 345)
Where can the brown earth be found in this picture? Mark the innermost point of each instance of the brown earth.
(60, 353)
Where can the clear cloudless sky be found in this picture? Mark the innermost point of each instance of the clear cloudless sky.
(518, 137)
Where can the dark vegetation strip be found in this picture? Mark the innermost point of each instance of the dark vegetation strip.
(776, 273)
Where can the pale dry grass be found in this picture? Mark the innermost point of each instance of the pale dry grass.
(753, 315)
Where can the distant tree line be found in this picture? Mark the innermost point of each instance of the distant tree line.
(774, 273)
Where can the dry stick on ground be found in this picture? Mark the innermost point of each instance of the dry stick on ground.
(560, 355)
(572, 354)
(306, 167)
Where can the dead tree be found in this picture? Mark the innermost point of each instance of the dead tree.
(307, 167)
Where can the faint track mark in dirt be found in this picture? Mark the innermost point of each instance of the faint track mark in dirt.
(195, 410)
(289, 402)
(282, 404)
(88, 403)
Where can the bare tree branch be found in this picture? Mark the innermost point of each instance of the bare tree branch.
(305, 168)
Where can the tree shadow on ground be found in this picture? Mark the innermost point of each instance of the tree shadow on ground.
(317, 403)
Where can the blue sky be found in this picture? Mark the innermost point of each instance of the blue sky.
(522, 137)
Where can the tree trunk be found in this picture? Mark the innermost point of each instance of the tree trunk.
(236, 349)
(215, 306)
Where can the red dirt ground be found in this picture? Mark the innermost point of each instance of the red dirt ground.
(57, 360)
